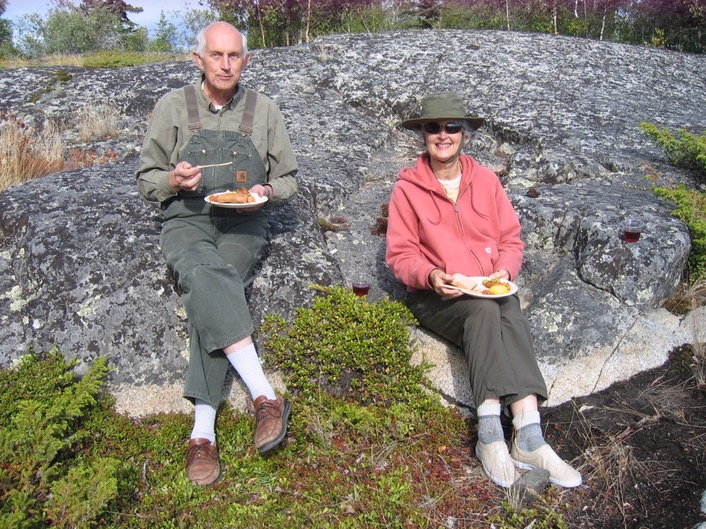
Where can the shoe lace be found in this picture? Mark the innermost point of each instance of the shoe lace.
(268, 408)
(199, 453)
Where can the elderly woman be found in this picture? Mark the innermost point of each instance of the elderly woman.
(450, 216)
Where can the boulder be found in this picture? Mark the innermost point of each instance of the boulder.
(80, 266)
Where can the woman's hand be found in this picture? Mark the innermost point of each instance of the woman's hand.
(439, 281)
(500, 274)
(184, 177)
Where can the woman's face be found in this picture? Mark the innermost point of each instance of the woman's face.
(444, 139)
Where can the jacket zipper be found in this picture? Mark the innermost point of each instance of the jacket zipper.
(463, 238)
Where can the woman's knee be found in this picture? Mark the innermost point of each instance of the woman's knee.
(480, 310)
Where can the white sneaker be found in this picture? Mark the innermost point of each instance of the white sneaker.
(544, 457)
(497, 463)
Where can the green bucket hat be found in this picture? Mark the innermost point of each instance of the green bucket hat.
(443, 106)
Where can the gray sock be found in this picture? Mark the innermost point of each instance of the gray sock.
(489, 429)
(529, 437)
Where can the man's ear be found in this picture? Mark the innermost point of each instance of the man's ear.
(197, 59)
(246, 61)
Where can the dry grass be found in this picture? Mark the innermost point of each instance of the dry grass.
(26, 154)
(98, 122)
(50, 60)
(693, 297)
(108, 59)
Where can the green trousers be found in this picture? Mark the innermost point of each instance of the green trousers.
(213, 259)
(496, 340)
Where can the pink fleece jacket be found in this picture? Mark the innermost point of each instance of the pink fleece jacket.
(476, 236)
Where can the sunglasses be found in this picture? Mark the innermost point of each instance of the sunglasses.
(435, 128)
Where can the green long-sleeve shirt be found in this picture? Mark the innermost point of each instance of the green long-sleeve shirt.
(168, 134)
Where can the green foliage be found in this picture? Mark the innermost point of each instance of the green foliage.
(69, 30)
(691, 208)
(539, 516)
(347, 346)
(106, 59)
(343, 465)
(64, 31)
(42, 408)
(5, 36)
(190, 22)
(167, 36)
(79, 498)
(687, 150)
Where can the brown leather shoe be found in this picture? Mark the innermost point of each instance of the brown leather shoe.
(202, 465)
(270, 422)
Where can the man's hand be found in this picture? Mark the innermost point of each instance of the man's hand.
(261, 191)
(184, 177)
(439, 281)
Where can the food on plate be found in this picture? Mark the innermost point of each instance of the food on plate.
(496, 286)
(241, 196)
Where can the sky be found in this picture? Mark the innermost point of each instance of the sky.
(149, 16)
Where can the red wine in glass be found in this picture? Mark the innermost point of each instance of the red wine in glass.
(361, 289)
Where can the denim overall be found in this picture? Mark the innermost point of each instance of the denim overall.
(212, 251)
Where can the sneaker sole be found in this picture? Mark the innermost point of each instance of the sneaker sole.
(277, 440)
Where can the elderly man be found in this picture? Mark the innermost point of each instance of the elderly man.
(206, 138)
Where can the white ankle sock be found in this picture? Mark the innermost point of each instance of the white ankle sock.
(204, 421)
(488, 407)
(525, 418)
(528, 432)
(247, 364)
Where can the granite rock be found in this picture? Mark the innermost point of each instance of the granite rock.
(80, 265)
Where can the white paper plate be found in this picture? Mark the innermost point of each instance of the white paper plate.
(258, 200)
(478, 280)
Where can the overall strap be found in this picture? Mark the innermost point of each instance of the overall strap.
(249, 114)
(192, 108)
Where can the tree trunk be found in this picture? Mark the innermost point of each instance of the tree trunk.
(308, 21)
(262, 28)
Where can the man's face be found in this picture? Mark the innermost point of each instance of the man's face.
(222, 61)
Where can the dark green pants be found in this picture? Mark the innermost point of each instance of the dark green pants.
(212, 259)
(496, 340)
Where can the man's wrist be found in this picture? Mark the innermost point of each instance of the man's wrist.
(268, 190)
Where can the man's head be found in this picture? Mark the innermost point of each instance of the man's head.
(221, 54)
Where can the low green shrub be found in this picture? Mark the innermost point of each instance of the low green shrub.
(69, 460)
(539, 516)
(119, 59)
(691, 209)
(43, 406)
(686, 150)
(349, 347)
